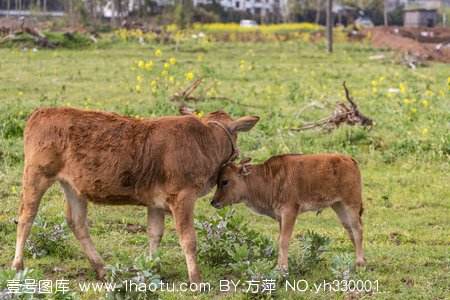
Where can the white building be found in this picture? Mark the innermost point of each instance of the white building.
(258, 8)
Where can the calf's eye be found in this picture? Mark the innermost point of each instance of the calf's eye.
(224, 183)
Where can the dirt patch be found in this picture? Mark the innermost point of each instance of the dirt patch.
(424, 43)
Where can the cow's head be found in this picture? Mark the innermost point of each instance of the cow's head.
(231, 185)
(234, 125)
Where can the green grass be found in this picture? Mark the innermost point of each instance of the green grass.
(404, 159)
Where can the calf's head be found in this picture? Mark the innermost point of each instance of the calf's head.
(231, 185)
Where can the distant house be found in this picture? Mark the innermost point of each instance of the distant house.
(420, 17)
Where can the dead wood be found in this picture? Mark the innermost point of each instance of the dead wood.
(185, 95)
(343, 114)
(39, 38)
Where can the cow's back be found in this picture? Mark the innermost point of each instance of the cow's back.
(317, 178)
(108, 157)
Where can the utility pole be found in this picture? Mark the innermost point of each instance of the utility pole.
(330, 25)
(8, 8)
(385, 12)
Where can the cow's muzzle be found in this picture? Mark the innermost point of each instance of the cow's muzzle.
(216, 203)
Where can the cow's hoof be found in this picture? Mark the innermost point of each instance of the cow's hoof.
(282, 270)
(17, 265)
(101, 273)
(360, 262)
(196, 278)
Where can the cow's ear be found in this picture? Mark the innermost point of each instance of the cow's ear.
(243, 124)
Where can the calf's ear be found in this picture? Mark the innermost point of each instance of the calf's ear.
(243, 124)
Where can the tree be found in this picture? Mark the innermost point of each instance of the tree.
(8, 8)
(318, 10)
(330, 25)
(385, 12)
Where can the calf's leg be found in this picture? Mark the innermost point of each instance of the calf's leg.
(76, 216)
(351, 220)
(155, 228)
(182, 207)
(341, 212)
(34, 185)
(287, 223)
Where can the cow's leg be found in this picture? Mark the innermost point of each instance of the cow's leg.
(287, 223)
(34, 185)
(182, 208)
(341, 212)
(350, 217)
(155, 228)
(76, 216)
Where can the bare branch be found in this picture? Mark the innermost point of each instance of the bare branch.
(342, 114)
(347, 95)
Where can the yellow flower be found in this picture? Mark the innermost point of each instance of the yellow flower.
(20, 93)
(189, 76)
(425, 103)
(171, 79)
(164, 73)
(429, 93)
(141, 64)
(138, 88)
(199, 114)
(402, 88)
(172, 61)
(158, 52)
(413, 110)
(424, 131)
(406, 101)
(374, 83)
(166, 66)
(139, 78)
(153, 83)
(148, 65)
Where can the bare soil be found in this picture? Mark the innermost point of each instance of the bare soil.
(425, 43)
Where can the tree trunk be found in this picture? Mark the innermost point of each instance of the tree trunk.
(318, 11)
(113, 13)
(330, 26)
(8, 8)
(385, 13)
(93, 10)
(44, 5)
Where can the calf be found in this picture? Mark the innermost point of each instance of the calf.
(164, 164)
(287, 185)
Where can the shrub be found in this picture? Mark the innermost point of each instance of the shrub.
(342, 266)
(49, 237)
(226, 239)
(11, 125)
(313, 246)
(143, 271)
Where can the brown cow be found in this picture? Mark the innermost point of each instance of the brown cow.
(162, 163)
(285, 186)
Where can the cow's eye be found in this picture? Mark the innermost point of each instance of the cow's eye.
(224, 183)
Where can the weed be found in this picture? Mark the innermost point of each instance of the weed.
(141, 273)
(342, 266)
(226, 239)
(49, 237)
(312, 248)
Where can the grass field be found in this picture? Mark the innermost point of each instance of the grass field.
(404, 159)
